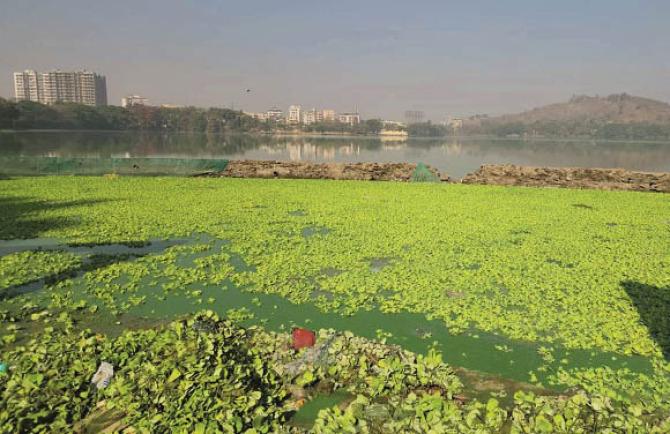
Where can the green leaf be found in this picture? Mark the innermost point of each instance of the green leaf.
(174, 375)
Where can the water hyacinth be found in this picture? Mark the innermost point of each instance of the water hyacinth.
(514, 268)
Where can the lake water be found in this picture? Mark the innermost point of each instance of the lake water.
(455, 156)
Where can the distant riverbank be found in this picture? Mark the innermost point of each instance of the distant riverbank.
(341, 135)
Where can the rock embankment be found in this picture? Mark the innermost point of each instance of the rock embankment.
(306, 170)
(569, 177)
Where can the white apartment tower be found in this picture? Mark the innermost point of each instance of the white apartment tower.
(27, 86)
(81, 87)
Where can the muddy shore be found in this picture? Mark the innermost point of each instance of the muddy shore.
(494, 174)
(306, 170)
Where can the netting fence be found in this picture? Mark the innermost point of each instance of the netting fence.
(423, 173)
(28, 165)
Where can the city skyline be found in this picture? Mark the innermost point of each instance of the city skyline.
(441, 58)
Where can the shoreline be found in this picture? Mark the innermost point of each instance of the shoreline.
(280, 134)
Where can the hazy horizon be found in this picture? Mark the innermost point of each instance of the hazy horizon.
(445, 59)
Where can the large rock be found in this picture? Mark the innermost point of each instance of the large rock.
(570, 177)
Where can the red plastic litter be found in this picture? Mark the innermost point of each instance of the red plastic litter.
(302, 338)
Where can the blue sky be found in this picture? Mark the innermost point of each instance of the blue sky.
(443, 57)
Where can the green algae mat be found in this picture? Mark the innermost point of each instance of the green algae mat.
(529, 295)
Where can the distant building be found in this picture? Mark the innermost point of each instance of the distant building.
(309, 117)
(414, 116)
(294, 114)
(28, 86)
(171, 106)
(455, 123)
(274, 114)
(81, 87)
(260, 116)
(393, 124)
(349, 118)
(326, 115)
(397, 133)
(132, 100)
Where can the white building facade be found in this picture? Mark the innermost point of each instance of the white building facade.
(327, 115)
(80, 87)
(275, 114)
(349, 118)
(131, 100)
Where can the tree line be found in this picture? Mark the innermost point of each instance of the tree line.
(25, 115)
(31, 115)
(549, 129)
(366, 127)
(586, 128)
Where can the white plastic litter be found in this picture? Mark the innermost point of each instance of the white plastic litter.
(103, 375)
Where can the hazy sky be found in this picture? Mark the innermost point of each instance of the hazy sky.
(385, 57)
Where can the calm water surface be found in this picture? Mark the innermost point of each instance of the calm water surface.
(451, 155)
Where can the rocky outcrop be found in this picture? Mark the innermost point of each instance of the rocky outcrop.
(305, 170)
(571, 177)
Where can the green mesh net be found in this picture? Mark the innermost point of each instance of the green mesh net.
(423, 174)
(25, 165)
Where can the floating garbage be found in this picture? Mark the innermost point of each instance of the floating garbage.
(314, 356)
(302, 338)
(103, 375)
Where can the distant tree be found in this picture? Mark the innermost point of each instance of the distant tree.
(427, 129)
(33, 115)
(373, 126)
(9, 113)
(146, 117)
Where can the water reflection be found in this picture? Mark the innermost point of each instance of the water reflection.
(452, 155)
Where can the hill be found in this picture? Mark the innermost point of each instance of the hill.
(618, 108)
(619, 116)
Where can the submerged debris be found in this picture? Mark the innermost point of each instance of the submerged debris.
(103, 375)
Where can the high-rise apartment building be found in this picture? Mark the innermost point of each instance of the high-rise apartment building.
(81, 87)
(27, 86)
(414, 116)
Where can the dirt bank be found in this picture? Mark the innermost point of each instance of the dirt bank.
(306, 170)
(569, 177)
(493, 174)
